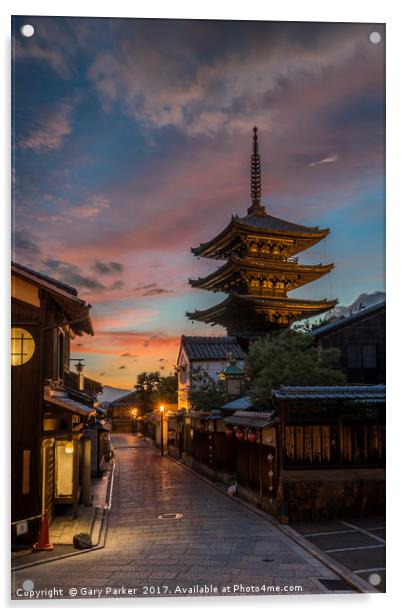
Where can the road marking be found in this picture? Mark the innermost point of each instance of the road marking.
(365, 532)
(369, 570)
(363, 547)
(330, 532)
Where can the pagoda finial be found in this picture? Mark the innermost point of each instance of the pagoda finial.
(255, 179)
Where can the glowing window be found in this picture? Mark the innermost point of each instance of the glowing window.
(22, 346)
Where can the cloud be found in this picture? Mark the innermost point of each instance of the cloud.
(118, 284)
(103, 267)
(148, 290)
(58, 43)
(90, 208)
(50, 131)
(24, 245)
(210, 93)
(331, 158)
(72, 274)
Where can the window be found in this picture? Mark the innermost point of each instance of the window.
(64, 469)
(22, 346)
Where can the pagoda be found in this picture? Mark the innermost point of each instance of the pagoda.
(260, 269)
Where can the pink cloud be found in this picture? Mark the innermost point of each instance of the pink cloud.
(50, 131)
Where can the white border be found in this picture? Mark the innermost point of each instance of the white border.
(292, 10)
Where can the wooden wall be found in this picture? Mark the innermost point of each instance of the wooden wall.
(26, 418)
(355, 341)
(334, 445)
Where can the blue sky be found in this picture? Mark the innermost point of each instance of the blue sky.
(132, 142)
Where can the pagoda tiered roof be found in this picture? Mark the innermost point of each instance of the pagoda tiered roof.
(298, 237)
(240, 270)
(267, 312)
(260, 269)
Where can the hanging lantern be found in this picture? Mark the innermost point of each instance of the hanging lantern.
(239, 435)
(229, 432)
(252, 437)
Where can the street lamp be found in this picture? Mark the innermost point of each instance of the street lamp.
(134, 413)
(162, 408)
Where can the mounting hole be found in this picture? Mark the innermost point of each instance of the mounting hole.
(170, 516)
(375, 38)
(27, 30)
(375, 579)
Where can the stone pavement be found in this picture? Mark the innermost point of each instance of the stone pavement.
(218, 542)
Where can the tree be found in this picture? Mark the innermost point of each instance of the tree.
(289, 358)
(153, 389)
(205, 393)
(167, 390)
(146, 385)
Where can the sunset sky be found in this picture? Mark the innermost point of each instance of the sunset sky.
(132, 143)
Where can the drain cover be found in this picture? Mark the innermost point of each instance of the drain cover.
(170, 516)
(336, 584)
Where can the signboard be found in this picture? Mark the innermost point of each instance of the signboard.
(21, 527)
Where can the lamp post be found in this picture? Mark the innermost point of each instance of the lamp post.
(134, 413)
(162, 407)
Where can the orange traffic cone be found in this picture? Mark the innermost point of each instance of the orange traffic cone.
(43, 539)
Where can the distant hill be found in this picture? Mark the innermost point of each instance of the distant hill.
(365, 300)
(111, 393)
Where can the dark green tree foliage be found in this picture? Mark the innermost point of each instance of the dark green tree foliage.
(206, 393)
(154, 389)
(167, 390)
(289, 358)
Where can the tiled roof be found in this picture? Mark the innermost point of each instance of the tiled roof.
(240, 404)
(346, 321)
(199, 348)
(275, 224)
(124, 398)
(45, 278)
(251, 419)
(367, 393)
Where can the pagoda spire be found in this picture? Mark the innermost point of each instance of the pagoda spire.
(256, 208)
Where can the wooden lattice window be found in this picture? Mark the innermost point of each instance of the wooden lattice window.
(22, 346)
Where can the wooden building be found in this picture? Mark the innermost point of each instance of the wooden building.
(361, 338)
(210, 353)
(124, 413)
(260, 269)
(51, 405)
(319, 454)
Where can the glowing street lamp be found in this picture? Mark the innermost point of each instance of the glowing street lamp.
(134, 415)
(162, 408)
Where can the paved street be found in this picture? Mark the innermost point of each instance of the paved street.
(358, 544)
(217, 542)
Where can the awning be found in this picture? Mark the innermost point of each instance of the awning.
(57, 398)
(250, 419)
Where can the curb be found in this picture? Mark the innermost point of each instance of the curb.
(100, 544)
(353, 580)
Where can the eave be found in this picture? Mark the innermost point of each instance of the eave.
(231, 272)
(221, 313)
(216, 247)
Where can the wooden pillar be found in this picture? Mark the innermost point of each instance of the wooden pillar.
(340, 420)
(76, 470)
(86, 472)
(260, 467)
